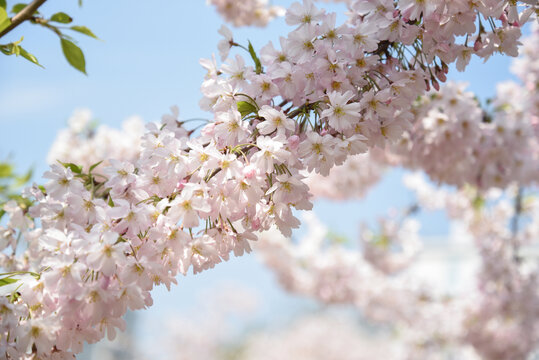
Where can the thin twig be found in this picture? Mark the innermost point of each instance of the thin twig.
(23, 15)
(514, 224)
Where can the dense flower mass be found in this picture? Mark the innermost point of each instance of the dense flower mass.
(184, 200)
(85, 143)
(498, 319)
(352, 179)
(456, 142)
(247, 12)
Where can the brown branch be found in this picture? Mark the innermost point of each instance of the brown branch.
(23, 15)
(514, 225)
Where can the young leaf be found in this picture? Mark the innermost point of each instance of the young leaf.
(23, 179)
(258, 64)
(5, 49)
(73, 167)
(3, 4)
(73, 55)
(25, 54)
(6, 170)
(245, 108)
(4, 19)
(10, 49)
(84, 30)
(7, 281)
(94, 166)
(17, 8)
(61, 17)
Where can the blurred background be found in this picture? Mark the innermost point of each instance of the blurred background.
(145, 62)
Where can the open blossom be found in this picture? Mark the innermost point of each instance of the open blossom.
(306, 13)
(275, 120)
(225, 44)
(271, 153)
(185, 206)
(17, 218)
(106, 253)
(62, 181)
(342, 115)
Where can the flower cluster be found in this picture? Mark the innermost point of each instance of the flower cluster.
(352, 179)
(323, 335)
(337, 274)
(455, 142)
(188, 201)
(498, 319)
(103, 245)
(247, 12)
(85, 144)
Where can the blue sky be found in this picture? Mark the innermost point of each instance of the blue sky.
(146, 62)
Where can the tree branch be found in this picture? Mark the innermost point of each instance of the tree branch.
(23, 15)
(514, 225)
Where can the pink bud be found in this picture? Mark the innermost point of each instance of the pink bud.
(249, 171)
(435, 84)
(477, 45)
(441, 75)
(181, 184)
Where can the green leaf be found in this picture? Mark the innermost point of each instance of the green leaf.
(11, 48)
(73, 167)
(120, 240)
(6, 170)
(7, 281)
(84, 30)
(3, 4)
(478, 202)
(94, 166)
(25, 54)
(2, 213)
(73, 55)
(21, 180)
(245, 108)
(258, 64)
(61, 17)
(4, 18)
(5, 49)
(17, 8)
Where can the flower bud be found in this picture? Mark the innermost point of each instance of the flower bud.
(478, 45)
